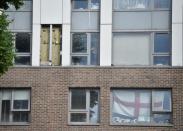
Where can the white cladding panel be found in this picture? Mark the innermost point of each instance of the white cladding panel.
(51, 11)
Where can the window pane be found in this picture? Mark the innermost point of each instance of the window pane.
(78, 117)
(161, 60)
(162, 118)
(80, 4)
(162, 3)
(79, 60)
(130, 106)
(79, 43)
(78, 99)
(131, 4)
(131, 49)
(20, 104)
(22, 60)
(94, 106)
(20, 116)
(22, 42)
(95, 4)
(161, 101)
(5, 111)
(162, 43)
(94, 48)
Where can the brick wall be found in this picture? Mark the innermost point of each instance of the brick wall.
(50, 88)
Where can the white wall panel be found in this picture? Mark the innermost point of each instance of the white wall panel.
(51, 11)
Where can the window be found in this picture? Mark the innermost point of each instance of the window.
(50, 45)
(14, 105)
(84, 106)
(23, 48)
(85, 49)
(137, 106)
(162, 49)
(140, 4)
(85, 4)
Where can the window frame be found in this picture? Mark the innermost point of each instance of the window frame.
(151, 112)
(83, 111)
(22, 54)
(88, 52)
(156, 54)
(11, 122)
(88, 6)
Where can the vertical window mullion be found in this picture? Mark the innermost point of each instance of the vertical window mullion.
(50, 45)
(89, 48)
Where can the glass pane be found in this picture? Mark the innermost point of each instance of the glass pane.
(95, 4)
(79, 60)
(78, 117)
(162, 118)
(161, 60)
(78, 99)
(20, 116)
(5, 111)
(162, 3)
(94, 48)
(161, 101)
(94, 106)
(22, 42)
(79, 43)
(162, 43)
(130, 106)
(80, 4)
(20, 104)
(131, 4)
(22, 60)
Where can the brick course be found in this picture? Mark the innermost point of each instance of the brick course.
(50, 88)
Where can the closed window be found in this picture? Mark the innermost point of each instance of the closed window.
(14, 105)
(162, 49)
(141, 106)
(85, 4)
(162, 3)
(84, 106)
(85, 49)
(23, 48)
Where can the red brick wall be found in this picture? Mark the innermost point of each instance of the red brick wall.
(50, 88)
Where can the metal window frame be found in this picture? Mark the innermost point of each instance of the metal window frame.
(151, 112)
(84, 111)
(88, 52)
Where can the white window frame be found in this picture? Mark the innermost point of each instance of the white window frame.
(88, 52)
(11, 122)
(23, 54)
(84, 111)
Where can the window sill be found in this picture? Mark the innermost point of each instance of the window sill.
(85, 10)
(82, 124)
(144, 125)
(14, 124)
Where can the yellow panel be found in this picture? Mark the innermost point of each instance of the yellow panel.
(56, 46)
(44, 55)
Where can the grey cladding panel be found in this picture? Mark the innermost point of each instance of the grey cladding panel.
(85, 20)
(20, 21)
(131, 20)
(161, 20)
(26, 7)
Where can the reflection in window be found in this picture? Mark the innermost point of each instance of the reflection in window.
(162, 3)
(84, 106)
(85, 49)
(162, 60)
(22, 60)
(95, 4)
(80, 4)
(134, 106)
(131, 4)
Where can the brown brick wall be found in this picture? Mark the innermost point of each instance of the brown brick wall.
(50, 86)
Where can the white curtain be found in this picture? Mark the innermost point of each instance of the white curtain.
(130, 106)
(131, 4)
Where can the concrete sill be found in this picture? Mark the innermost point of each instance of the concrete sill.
(14, 124)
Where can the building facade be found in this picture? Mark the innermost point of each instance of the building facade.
(104, 65)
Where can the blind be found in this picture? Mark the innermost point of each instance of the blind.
(131, 49)
(21, 95)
